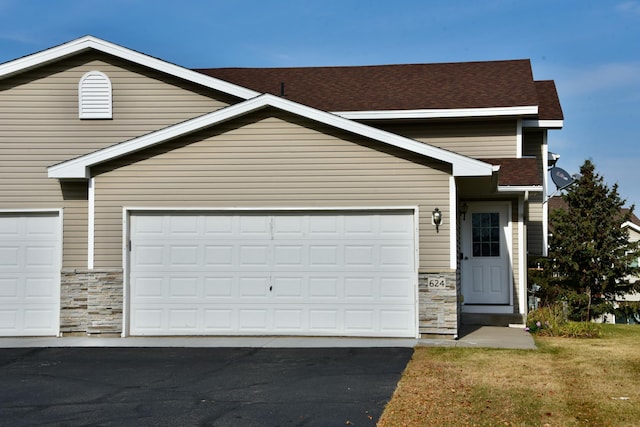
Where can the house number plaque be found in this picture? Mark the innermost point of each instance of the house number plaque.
(436, 282)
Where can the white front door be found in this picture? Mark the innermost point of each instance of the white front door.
(273, 273)
(486, 254)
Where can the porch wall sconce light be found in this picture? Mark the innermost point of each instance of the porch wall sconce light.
(436, 216)
(463, 210)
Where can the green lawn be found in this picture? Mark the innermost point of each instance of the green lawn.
(594, 382)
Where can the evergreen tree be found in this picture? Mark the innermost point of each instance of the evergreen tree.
(590, 256)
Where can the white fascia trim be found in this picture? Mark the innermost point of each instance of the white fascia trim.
(631, 225)
(548, 124)
(519, 189)
(89, 42)
(438, 113)
(79, 167)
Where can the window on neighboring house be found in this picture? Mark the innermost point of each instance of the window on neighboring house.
(94, 96)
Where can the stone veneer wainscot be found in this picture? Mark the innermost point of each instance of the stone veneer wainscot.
(91, 301)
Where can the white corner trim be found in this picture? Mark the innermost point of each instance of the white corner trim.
(453, 227)
(548, 124)
(89, 42)
(79, 167)
(519, 139)
(545, 192)
(91, 224)
(437, 113)
(522, 258)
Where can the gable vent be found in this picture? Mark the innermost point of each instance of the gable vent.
(94, 96)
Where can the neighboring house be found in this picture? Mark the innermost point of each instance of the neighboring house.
(634, 235)
(138, 197)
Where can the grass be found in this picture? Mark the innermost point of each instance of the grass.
(566, 382)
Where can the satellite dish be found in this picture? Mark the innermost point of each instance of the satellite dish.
(561, 178)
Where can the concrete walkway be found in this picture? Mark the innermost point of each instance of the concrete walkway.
(471, 336)
(489, 337)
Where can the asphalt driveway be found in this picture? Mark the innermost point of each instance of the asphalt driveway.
(198, 386)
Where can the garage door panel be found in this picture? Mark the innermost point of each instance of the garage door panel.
(299, 274)
(394, 256)
(39, 257)
(360, 288)
(288, 288)
(220, 255)
(29, 274)
(289, 320)
(149, 256)
(359, 321)
(397, 288)
(9, 288)
(10, 227)
(219, 320)
(252, 255)
(323, 287)
(253, 286)
(9, 256)
(219, 287)
(289, 227)
(253, 319)
(182, 255)
(253, 227)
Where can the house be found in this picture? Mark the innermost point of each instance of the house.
(138, 197)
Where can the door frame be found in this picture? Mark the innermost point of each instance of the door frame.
(490, 308)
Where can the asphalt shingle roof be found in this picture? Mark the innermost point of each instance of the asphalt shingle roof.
(517, 172)
(460, 85)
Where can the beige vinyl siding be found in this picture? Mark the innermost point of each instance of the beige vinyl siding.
(271, 160)
(533, 144)
(478, 139)
(39, 127)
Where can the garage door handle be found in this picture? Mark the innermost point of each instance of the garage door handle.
(270, 288)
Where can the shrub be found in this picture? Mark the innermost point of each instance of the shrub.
(552, 320)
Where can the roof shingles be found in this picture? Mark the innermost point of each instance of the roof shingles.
(523, 172)
(462, 85)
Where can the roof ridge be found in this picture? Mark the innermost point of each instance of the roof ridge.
(408, 64)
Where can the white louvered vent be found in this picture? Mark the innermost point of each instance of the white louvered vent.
(94, 96)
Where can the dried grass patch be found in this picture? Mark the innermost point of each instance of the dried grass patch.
(565, 382)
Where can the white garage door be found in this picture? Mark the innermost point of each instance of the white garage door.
(273, 274)
(29, 274)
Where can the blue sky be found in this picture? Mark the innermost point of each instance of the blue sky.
(591, 48)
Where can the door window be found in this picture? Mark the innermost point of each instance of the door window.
(485, 234)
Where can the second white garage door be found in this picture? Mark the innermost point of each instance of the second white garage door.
(341, 274)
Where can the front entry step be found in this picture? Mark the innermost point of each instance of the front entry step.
(492, 319)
